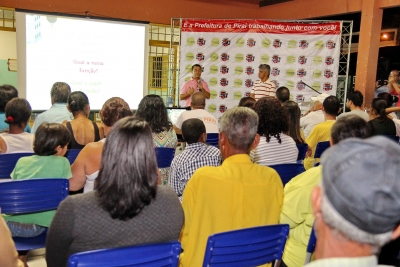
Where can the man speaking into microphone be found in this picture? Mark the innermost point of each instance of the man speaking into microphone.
(195, 84)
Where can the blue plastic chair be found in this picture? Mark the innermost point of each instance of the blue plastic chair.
(311, 246)
(29, 196)
(72, 154)
(8, 162)
(213, 139)
(288, 171)
(247, 247)
(302, 152)
(321, 147)
(164, 156)
(163, 254)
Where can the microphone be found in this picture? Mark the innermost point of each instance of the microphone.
(199, 82)
(310, 87)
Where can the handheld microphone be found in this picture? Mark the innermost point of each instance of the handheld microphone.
(199, 82)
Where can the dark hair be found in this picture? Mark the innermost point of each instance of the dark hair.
(77, 101)
(379, 105)
(331, 105)
(113, 110)
(198, 100)
(192, 129)
(272, 118)
(390, 99)
(7, 92)
(265, 67)
(17, 111)
(356, 97)
(127, 180)
(283, 94)
(196, 65)
(152, 109)
(293, 112)
(48, 137)
(59, 92)
(350, 126)
(247, 102)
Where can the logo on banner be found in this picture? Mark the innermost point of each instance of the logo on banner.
(276, 83)
(212, 108)
(240, 42)
(247, 94)
(213, 94)
(328, 73)
(251, 42)
(200, 56)
(327, 86)
(222, 108)
(214, 41)
(300, 85)
(224, 57)
(276, 43)
(223, 94)
(214, 57)
(299, 98)
(249, 83)
(303, 44)
(237, 95)
(301, 72)
(213, 69)
(238, 70)
(190, 41)
(239, 57)
(237, 82)
(275, 71)
(226, 42)
(316, 86)
(249, 70)
(302, 60)
(224, 69)
(292, 44)
(223, 82)
(249, 58)
(329, 60)
(276, 59)
(201, 41)
(330, 44)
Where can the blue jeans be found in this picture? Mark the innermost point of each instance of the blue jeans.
(25, 229)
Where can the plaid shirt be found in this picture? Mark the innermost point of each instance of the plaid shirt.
(184, 165)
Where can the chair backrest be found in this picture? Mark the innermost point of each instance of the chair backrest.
(321, 147)
(164, 155)
(288, 171)
(72, 154)
(8, 162)
(163, 254)
(213, 139)
(33, 195)
(302, 151)
(311, 246)
(246, 247)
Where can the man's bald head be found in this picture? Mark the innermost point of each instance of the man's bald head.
(198, 100)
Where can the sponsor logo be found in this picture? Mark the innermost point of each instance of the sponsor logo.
(249, 83)
(300, 86)
(251, 42)
(223, 94)
(226, 42)
(276, 43)
(224, 69)
(302, 60)
(247, 94)
(249, 70)
(222, 108)
(275, 71)
(200, 56)
(328, 60)
(328, 73)
(223, 82)
(327, 86)
(299, 98)
(303, 44)
(201, 41)
(330, 44)
(276, 59)
(249, 58)
(301, 73)
(224, 57)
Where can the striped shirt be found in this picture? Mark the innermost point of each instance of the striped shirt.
(274, 153)
(261, 89)
(368, 261)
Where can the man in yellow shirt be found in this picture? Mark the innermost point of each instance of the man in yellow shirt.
(237, 194)
(322, 132)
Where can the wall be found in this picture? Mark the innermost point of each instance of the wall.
(8, 49)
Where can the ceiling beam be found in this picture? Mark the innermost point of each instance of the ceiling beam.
(263, 3)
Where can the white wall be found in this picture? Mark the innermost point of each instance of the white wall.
(8, 45)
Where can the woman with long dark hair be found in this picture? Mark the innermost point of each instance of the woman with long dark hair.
(293, 112)
(380, 123)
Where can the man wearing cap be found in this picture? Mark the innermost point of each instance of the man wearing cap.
(195, 84)
(314, 116)
(354, 102)
(264, 86)
(356, 206)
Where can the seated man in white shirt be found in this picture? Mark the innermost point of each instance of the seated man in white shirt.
(314, 116)
(198, 105)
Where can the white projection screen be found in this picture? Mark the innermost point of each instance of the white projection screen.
(102, 58)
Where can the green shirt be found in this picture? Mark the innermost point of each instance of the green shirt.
(39, 167)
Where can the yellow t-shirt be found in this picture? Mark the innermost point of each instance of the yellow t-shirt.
(238, 194)
(320, 133)
(297, 212)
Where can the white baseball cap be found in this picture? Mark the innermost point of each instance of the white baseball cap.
(320, 97)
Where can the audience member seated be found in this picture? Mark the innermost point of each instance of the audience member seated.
(380, 123)
(8, 255)
(127, 208)
(389, 112)
(296, 210)
(50, 146)
(198, 105)
(293, 112)
(58, 112)
(356, 205)
(247, 102)
(283, 94)
(322, 131)
(83, 131)
(235, 195)
(390, 100)
(18, 112)
(354, 103)
(152, 109)
(196, 155)
(86, 167)
(314, 116)
(275, 147)
(7, 92)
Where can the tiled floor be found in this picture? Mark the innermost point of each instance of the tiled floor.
(36, 258)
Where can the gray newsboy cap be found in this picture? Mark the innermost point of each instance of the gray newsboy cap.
(361, 187)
